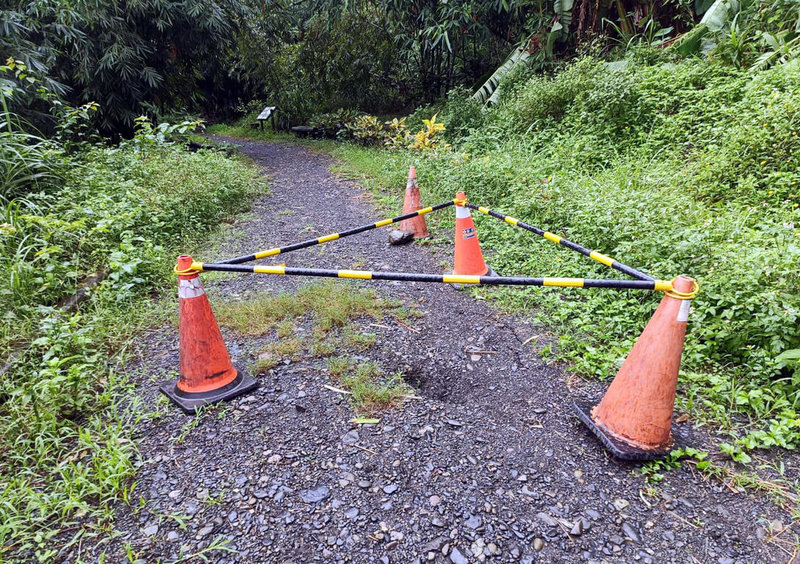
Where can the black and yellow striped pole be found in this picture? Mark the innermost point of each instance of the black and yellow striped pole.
(653, 285)
(333, 236)
(594, 255)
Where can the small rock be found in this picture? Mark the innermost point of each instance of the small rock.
(390, 488)
(454, 423)
(205, 531)
(474, 521)
(364, 484)
(546, 519)
(274, 459)
(621, 504)
(351, 513)
(457, 558)
(538, 544)
(630, 532)
(151, 530)
(435, 500)
(315, 495)
(350, 438)
(397, 237)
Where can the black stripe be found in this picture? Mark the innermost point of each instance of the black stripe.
(237, 260)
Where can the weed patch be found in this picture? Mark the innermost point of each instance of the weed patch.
(371, 390)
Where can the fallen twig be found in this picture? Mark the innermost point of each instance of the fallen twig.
(682, 519)
(337, 390)
(365, 448)
(401, 324)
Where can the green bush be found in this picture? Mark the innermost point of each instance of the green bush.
(462, 113)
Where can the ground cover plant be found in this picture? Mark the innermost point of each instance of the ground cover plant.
(316, 321)
(89, 233)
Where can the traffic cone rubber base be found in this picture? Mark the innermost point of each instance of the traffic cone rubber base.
(622, 449)
(190, 401)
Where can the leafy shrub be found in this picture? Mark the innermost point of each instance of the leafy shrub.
(429, 137)
(461, 114)
(366, 130)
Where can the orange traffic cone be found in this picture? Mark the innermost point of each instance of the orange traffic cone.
(412, 203)
(634, 417)
(206, 373)
(468, 256)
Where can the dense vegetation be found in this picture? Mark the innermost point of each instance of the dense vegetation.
(664, 133)
(680, 165)
(88, 232)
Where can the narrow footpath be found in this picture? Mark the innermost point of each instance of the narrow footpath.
(491, 465)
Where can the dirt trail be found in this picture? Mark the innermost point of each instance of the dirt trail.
(491, 465)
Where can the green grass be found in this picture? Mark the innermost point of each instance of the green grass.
(328, 305)
(372, 391)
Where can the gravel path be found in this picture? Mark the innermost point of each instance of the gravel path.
(490, 466)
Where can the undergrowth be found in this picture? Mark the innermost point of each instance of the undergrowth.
(117, 215)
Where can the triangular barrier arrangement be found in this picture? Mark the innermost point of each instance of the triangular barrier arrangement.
(633, 420)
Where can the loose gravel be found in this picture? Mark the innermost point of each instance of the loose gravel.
(490, 465)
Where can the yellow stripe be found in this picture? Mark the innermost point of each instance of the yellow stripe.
(564, 282)
(461, 279)
(326, 238)
(268, 253)
(362, 274)
(269, 269)
(484, 210)
(425, 210)
(511, 220)
(198, 266)
(663, 286)
(599, 257)
(384, 222)
(552, 237)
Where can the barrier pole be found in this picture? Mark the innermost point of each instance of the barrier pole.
(594, 255)
(653, 285)
(333, 236)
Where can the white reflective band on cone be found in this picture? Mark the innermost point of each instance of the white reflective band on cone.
(462, 212)
(683, 313)
(190, 288)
